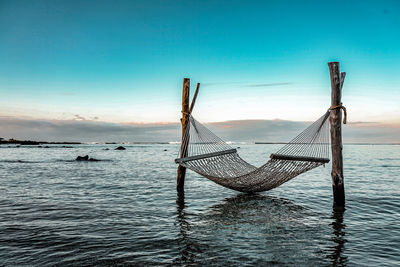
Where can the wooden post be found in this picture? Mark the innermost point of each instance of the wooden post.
(185, 120)
(194, 97)
(337, 79)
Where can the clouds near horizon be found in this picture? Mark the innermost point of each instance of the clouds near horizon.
(239, 130)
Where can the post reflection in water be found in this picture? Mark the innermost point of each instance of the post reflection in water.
(338, 237)
(187, 247)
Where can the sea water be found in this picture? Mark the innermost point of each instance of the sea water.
(124, 210)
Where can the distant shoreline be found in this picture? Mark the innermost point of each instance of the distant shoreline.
(30, 142)
(358, 144)
(33, 143)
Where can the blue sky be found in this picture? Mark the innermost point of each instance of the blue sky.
(124, 61)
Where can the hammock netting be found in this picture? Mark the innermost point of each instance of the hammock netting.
(208, 155)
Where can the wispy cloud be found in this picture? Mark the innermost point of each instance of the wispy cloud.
(246, 84)
(79, 118)
(267, 84)
(220, 83)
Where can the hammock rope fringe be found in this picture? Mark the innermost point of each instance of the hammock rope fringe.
(208, 155)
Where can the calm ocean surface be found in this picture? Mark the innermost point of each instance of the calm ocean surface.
(124, 210)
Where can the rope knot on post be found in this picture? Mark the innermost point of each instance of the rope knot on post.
(340, 106)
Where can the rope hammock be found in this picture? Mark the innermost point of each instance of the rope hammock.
(208, 155)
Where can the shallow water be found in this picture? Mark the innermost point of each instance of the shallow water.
(124, 210)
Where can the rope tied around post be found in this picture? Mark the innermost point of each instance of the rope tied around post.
(340, 106)
(188, 114)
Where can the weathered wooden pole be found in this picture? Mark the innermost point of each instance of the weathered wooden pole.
(184, 121)
(337, 80)
(194, 98)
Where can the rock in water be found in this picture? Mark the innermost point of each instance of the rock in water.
(80, 158)
(85, 158)
(120, 148)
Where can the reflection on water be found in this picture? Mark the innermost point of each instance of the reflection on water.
(187, 246)
(255, 210)
(283, 231)
(338, 237)
(246, 222)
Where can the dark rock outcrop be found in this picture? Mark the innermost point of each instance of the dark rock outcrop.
(120, 148)
(82, 158)
(85, 158)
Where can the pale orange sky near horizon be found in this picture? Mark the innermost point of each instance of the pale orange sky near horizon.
(211, 106)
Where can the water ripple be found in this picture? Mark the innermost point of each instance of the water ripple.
(124, 211)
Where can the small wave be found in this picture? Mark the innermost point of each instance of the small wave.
(36, 146)
(390, 166)
(21, 161)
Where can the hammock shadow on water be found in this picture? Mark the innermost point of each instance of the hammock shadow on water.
(254, 209)
(268, 223)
